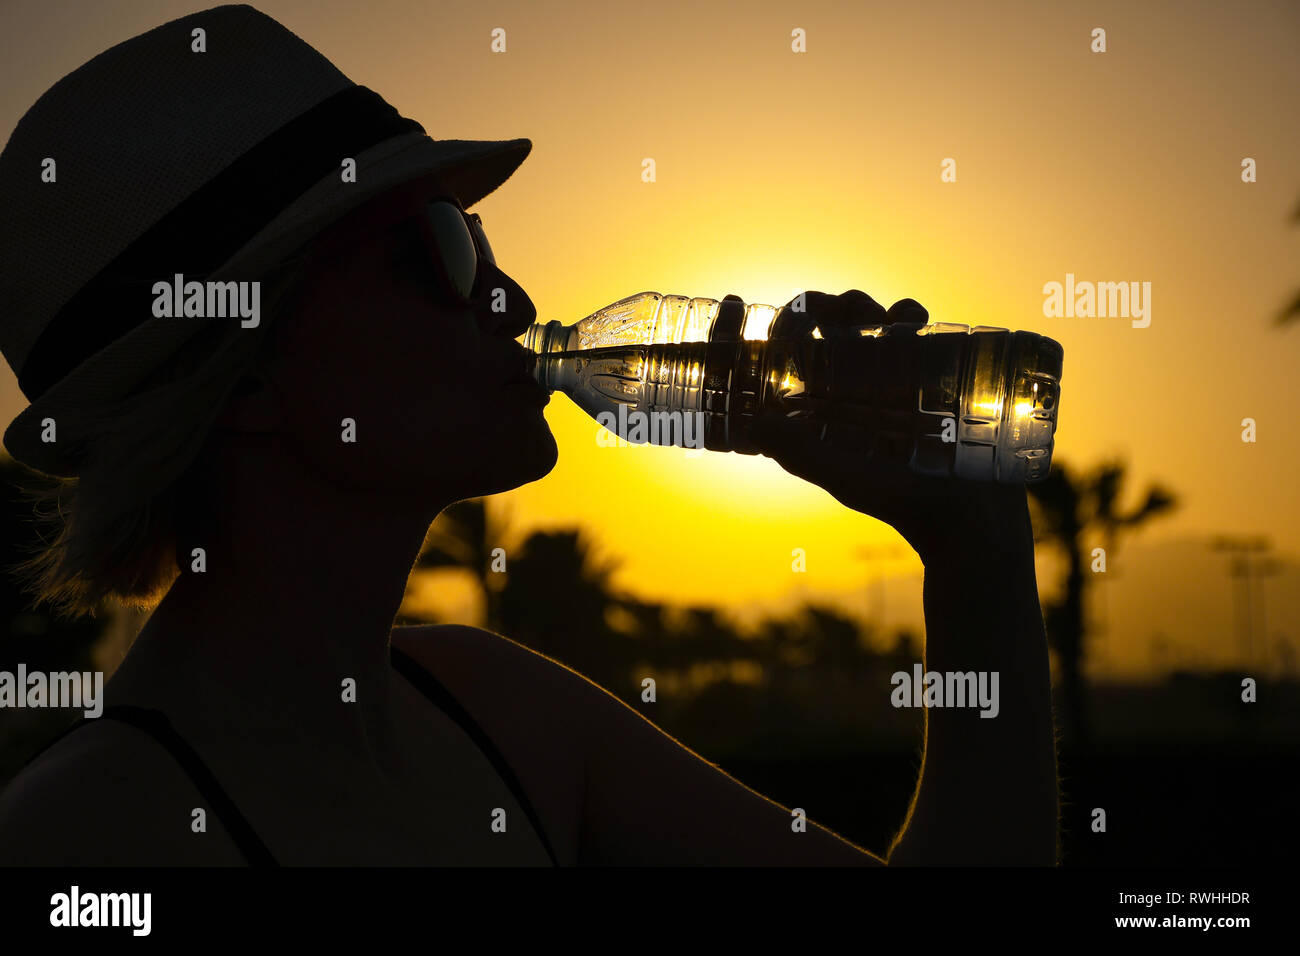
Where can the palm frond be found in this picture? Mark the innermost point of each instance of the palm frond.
(1291, 313)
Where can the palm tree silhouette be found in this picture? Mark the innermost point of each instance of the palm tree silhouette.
(558, 600)
(549, 592)
(1073, 511)
(1292, 312)
(465, 536)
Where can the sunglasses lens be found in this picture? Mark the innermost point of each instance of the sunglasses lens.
(456, 246)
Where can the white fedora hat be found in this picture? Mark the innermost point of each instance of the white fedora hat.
(212, 164)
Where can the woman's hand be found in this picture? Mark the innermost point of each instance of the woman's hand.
(942, 518)
(981, 614)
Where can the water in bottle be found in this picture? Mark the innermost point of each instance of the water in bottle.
(945, 399)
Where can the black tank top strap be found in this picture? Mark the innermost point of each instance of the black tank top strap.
(156, 725)
(431, 687)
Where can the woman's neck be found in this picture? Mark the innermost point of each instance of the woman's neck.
(284, 619)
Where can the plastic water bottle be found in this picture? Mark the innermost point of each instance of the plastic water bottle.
(945, 399)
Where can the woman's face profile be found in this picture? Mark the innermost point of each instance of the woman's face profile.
(377, 351)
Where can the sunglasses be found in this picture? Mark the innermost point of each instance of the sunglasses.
(454, 244)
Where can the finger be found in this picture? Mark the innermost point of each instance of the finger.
(908, 310)
(793, 441)
(728, 323)
(838, 457)
(811, 441)
(849, 312)
(799, 316)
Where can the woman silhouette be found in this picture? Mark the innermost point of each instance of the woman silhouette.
(274, 483)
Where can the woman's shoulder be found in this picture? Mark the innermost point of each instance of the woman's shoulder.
(414, 639)
(534, 709)
(107, 794)
(464, 657)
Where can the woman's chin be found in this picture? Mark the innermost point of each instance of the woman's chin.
(532, 456)
(474, 462)
(539, 457)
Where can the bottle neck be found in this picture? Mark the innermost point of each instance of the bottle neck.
(542, 337)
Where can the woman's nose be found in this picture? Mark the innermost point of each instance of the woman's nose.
(504, 307)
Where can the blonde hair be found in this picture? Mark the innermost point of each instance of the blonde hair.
(112, 532)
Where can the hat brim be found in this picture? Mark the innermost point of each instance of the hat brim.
(472, 169)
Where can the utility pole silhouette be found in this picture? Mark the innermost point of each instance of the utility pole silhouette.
(1071, 508)
(1245, 568)
(1265, 567)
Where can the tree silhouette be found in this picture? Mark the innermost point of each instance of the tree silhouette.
(1292, 312)
(1073, 511)
(557, 599)
(813, 665)
(464, 536)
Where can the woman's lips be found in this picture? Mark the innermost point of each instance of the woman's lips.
(524, 379)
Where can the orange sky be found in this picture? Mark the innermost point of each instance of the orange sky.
(779, 171)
